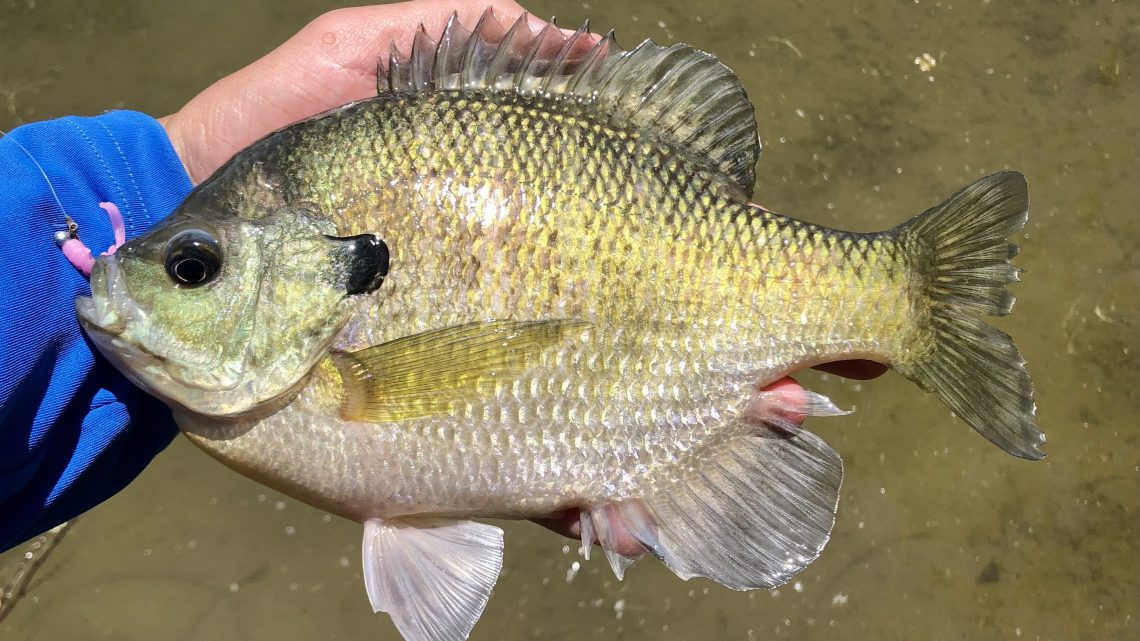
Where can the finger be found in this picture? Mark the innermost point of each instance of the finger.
(356, 38)
(786, 385)
(785, 398)
(569, 524)
(330, 62)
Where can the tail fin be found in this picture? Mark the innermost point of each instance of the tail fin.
(960, 248)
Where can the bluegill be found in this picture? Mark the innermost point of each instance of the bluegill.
(527, 277)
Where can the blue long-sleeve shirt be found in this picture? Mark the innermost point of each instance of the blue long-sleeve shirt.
(73, 431)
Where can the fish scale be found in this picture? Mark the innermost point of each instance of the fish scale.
(526, 278)
(595, 235)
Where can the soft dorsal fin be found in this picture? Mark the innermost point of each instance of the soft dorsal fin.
(682, 96)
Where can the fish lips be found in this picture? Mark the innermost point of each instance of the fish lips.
(109, 308)
(105, 316)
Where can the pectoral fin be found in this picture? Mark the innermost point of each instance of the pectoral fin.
(433, 577)
(425, 374)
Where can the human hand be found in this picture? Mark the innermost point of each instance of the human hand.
(329, 63)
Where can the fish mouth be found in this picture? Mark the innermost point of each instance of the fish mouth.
(117, 326)
(106, 315)
(109, 308)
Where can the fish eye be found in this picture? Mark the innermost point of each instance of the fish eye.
(193, 258)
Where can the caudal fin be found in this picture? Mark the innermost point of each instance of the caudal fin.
(960, 247)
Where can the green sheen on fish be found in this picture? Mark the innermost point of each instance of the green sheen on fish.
(526, 277)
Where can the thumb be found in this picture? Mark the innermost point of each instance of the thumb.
(330, 62)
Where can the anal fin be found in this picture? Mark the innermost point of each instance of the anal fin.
(755, 510)
(433, 577)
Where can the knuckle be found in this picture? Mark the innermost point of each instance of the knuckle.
(333, 21)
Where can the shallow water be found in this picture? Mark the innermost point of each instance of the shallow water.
(939, 536)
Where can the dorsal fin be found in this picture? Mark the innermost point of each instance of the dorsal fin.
(682, 96)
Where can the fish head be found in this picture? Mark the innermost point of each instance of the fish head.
(223, 316)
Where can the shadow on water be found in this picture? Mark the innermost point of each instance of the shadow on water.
(869, 114)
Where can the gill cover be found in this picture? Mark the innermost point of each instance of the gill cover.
(222, 316)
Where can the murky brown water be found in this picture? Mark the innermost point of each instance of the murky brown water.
(940, 535)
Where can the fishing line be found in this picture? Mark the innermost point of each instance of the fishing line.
(43, 173)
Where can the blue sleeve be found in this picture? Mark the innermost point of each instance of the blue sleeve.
(73, 431)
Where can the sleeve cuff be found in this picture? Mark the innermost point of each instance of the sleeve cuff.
(142, 174)
(72, 430)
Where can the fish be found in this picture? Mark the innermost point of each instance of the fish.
(527, 276)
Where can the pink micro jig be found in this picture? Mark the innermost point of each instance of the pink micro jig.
(77, 253)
